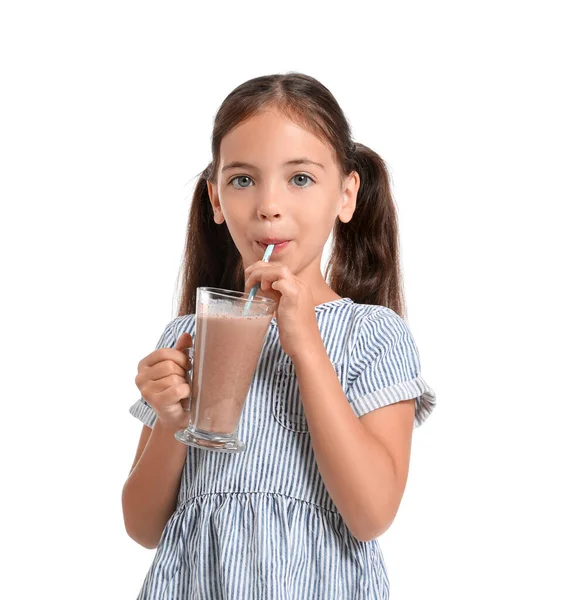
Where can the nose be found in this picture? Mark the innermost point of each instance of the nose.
(268, 210)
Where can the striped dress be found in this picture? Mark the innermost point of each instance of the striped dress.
(260, 524)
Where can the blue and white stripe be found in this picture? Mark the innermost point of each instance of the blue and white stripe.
(260, 524)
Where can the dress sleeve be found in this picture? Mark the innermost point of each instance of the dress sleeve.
(141, 409)
(387, 367)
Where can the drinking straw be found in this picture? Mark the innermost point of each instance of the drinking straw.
(252, 293)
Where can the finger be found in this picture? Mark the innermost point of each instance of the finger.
(265, 266)
(154, 387)
(287, 288)
(269, 293)
(264, 285)
(254, 265)
(180, 357)
(172, 394)
(268, 273)
(185, 344)
(165, 369)
(251, 280)
(184, 341)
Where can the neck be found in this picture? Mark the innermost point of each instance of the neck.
(324, 294)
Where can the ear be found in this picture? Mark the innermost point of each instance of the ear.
(349, 197)
(215, 204)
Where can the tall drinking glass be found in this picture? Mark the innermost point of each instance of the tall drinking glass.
(229, 336)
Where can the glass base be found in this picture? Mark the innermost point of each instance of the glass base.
(206, 440)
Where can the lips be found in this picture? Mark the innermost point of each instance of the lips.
(279, 245)
(267, 241)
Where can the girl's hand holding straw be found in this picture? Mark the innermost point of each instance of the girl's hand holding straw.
(295, 315)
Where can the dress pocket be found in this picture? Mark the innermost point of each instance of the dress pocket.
(287, 408)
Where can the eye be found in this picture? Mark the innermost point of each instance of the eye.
(305, 177)
(237, 178)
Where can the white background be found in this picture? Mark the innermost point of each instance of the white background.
(105, 122)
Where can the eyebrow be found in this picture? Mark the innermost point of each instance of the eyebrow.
(296, 161)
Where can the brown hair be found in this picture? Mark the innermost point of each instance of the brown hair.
(364, 262)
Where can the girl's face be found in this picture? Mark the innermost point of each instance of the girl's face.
(270, 194)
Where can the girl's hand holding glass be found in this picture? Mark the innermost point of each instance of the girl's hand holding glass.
(162, 381)
(297, 324)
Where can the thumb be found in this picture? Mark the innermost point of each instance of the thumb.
(184, 341)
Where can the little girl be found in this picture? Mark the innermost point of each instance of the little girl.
(329, 417)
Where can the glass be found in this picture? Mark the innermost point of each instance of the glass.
(227, 346)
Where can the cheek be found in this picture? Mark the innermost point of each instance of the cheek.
(235, 220)
(237, 233)
(319, 219)
(316, 229)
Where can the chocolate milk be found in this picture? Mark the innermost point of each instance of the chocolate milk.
(227, 350)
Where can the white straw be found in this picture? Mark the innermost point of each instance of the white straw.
(252, 294)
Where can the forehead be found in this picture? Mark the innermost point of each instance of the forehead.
(271, 136)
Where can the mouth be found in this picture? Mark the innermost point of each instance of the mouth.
(279, 245)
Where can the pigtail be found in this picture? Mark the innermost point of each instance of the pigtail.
(364, 262)
(210, 256)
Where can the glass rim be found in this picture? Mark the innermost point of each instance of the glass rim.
(240, 296)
